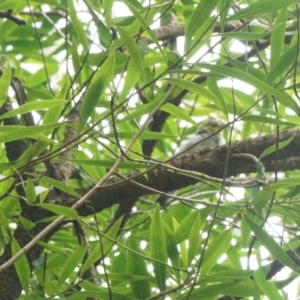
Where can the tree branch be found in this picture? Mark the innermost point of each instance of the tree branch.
(208, 161)
(8, 15)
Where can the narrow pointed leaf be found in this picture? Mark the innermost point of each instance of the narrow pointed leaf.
(60, 210)
(267, 287)
(182, 232)
(178, 113)
(259, 8)
(21, 265)
(282, 65)
(192, 87)
(278, 36)
(35, 132)
(214, 250)
(194, 240)
(33, 106)
(73, 260)
(281, 97)
(266, 240)
(158, 249)
(133, 50)
(102, 247)
(30, 191)
(136, 265)
(5, 83)
(82, 36)
(201, 13)
(99, 83)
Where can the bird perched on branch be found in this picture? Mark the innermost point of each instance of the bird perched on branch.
(208, 135)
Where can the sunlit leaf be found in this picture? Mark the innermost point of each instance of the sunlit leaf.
(217, 247)
(267, 287)
(78, 25)
(260, 8)
(133, 50)
(201, 13)
(266, 240)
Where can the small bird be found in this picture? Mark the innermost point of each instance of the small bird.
(208, 135)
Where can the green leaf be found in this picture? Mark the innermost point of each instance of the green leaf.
(27, 224)
(110, 163)
(182, 232)
(38, 93)
(98, 85)
(243, 288)
(219, 99)
(136, 265)
(194, 240)
(60, 210)
(265, 120)
(144, 23)
(145, 135)
(143, 109)
(80, 31)
(5, 83)
(3, 219)
(178, 113)
(260, 8)
(108, 5)
(30, 191)
(244, 36)
(157, 244)
(195, 88)
(272, 148)
(214, 250)
(262, 198)
(266, 240)
(72, 262)
(210, 292)
(131, 78)
(76, 61)
(59, 185)
(278, 36)
(174, 57)
(103, 246)
(133, 50)
(12, 133)
(283, 64)
(94, 290)
(21, 265)
(268, 288)
(125, 276)
(89, 168)
(33, 106)
(282, 97)
(172, 249)
(201, 13)
(40, 76)
(52, 114)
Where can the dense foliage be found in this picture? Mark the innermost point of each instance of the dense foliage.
(95, 98)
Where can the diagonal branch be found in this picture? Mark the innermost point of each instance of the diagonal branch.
(8, 15)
